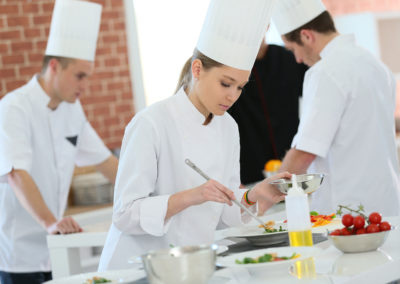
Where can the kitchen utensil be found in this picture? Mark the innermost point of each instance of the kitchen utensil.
(180, 265)
(308, 182)
(194, 167)
(359, 243)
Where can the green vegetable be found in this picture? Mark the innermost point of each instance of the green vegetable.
(274, 230)
(314, 213)
(264, 258)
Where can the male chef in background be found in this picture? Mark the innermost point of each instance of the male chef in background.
(43, 134)
(347, 126)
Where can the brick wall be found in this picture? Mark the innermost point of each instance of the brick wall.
(24, 28)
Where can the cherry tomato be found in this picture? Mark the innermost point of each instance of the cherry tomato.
(385, 226)
(359, 222)
(346, 232)
(347, 220)
(375, 218)
(336, 232)
(372, 228)
(361, 231)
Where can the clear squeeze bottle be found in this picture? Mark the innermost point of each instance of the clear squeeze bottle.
(298, 216)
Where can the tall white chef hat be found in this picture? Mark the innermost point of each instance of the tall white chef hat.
(74, 29)
(233, 29)
(292, 14)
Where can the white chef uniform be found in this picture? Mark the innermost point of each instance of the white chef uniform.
(159, 139)
(348, 122)
(47, 144)
(154, 149)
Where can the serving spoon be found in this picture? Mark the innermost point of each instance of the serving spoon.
(206, 177)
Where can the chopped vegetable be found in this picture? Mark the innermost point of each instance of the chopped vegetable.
(268, 257)
(96, 280)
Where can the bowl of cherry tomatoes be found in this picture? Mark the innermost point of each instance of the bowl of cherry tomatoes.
(360, 233)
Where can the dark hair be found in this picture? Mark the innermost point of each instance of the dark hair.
(185, 78)
(64, 61)
(322, 24)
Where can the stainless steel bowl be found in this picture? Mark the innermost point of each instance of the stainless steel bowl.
(359, 243)
(180, 265)
(308, 182)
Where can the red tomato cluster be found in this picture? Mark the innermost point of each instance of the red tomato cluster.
(358, 225)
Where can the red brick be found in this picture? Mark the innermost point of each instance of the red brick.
(96, 88)
(21, 46)
(101, 111)
(103, 50)
(4, 48)
(32, 33)
(40, 20)
(127, 96)
(12, 85)
(124, 108)
(124, 73)
(7, 73)
(111, 121)
(41, 45)
(103, 75)
(111, 62)
(122, 49)
(47, 7)
(35, 57)
(28, 71)
(104, 26)
(115, 86)
(13, 34)
(119, 26)
(12, 59)
(111, 39)
(107, 98)
(30, 7)
(9, 9)
(107, 15)
(18, 21)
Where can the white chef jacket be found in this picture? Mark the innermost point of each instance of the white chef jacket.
(152, 167)
(348, 122)
(47, 144)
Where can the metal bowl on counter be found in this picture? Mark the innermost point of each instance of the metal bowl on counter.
(308, 182)
(359, 243)
(180, 265)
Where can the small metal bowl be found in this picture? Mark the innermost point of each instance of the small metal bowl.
(359, 243)
(180, 265)
(308, 182)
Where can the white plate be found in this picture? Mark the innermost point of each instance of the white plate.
(257, 236)
(117, 276)
(305, 252)
(333, 225)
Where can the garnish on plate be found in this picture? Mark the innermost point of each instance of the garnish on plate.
(268, 257)
(269, 227)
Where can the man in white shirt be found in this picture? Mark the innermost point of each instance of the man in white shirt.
(43, 134)
(347, 124)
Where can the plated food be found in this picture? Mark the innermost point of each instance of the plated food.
(267, 257)
(96, 280)
(291, 255)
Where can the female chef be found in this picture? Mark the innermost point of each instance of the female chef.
(160, 201)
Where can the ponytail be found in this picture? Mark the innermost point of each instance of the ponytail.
(186, 75)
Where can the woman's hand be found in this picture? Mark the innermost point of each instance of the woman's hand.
(213, 191)
(266, 194)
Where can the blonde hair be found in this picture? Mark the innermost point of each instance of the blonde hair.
(185, 78)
